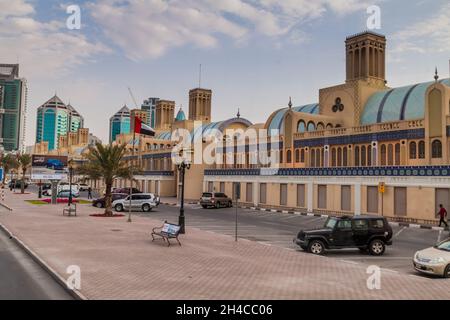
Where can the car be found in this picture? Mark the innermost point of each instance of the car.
(17, 184)
(100, 202)
(46, 186)
(367, 233)
(215, 199)
(126, 190)
(83, 187)
(66, 193)
(141, 201)
(434, 260)
(54, 164)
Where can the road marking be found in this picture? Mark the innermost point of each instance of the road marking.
(349, 261)
(412, 225)
(398, 233)
(389, 270)
(439, 236)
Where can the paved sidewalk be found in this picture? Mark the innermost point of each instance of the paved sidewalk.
(119, 261)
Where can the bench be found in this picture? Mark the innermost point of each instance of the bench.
(166, 232)
(70, 210)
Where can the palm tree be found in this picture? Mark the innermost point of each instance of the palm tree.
(106, 162)
(24, 160)
(8, 162)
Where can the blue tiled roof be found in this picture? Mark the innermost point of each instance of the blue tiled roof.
(164, 135)
(277, 122)
(404, 103)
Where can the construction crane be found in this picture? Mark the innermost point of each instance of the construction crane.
(132, 97)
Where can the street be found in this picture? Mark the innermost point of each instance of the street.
(278, 229)
(24, 279)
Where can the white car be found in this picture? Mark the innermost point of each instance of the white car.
(139, 201)
(434, 260)
(83, 187)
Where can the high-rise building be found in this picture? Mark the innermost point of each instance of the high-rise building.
(13, 107)
(149, 106)
(119, 123)
(76, 121)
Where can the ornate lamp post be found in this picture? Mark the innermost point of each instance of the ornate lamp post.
(182, 167)
(70, 181)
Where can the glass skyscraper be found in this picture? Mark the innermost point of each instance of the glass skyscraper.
(119, 123)
(149, 105)
(13, 105)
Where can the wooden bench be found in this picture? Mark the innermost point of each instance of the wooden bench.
(70, 210)
(166, 232)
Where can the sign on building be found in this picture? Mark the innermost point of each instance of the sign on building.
(381, 187)
(47, 167)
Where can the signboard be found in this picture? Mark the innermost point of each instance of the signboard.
(47, 167)
(2, 172)
(381, 187)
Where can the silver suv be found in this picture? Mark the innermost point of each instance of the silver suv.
(141, 201)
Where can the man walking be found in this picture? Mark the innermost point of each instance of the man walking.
(89, 193)
(443, 216)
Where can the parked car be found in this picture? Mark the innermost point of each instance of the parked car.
(367, 233)
(215, 199)
(126, 190)
(101, 202)
(54, 164)
(17, 184)
(83, 187)
(46, 186)
(66, 193)
(434, 260)
(142, 201)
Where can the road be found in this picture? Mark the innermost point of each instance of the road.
(279, 229)
(22, 278)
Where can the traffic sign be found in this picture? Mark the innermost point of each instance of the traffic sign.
(381, 187)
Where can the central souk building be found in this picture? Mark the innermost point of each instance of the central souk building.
(334, 153)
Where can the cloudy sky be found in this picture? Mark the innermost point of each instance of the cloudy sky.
(254, 53)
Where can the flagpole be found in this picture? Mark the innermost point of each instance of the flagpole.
(131, 180)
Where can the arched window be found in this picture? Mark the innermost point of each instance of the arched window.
(289, 156)
(281, 156)
(363, 156)
(301, 127)
(422, 149)
(383, 155)
(312, 160)
(344, 157)
(356, 156)
(369, 155)
(311, 126)
(436, 149)
(413, 150)
(397, 154)
(318, 158)
(320, 126)
(329, 126)
(339, 157)
(390, 155)
(302, 156)
(333, 157)
(297, 155)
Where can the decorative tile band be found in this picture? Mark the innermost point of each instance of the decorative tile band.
(158, 173)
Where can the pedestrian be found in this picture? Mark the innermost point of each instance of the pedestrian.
(443, 216)
(89, 193)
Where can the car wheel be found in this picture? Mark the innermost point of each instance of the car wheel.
(99, 205)
(119, 207)
(146, 208)
(447, 272)
(230, 204)
(316, 247)
(218, 205)
(377, 247)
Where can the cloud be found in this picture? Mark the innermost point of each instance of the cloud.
(145, 29)
(44, 49)
(430, 35)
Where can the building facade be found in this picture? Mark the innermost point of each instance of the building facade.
(119, 123)
(149, 106)
(13, 108)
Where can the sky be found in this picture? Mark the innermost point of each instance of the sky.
(255, 54)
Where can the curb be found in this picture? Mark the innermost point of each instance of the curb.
(77, 295)
(4, 205)
(310, 214)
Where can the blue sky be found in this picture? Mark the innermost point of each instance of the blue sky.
(254, 53)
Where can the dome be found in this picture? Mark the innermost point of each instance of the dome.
(166, 135)
(276, 120)
(203, 131)
(404, 103)
(180, 115)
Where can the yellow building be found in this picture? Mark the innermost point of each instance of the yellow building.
(332, 155)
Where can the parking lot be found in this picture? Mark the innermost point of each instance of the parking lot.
(278, 229)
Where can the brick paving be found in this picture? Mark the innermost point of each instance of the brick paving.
(119, 261)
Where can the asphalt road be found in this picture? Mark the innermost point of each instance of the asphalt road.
(279, 229)
(23, 279)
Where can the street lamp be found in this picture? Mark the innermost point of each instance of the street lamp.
(70, 181)
(182, 167)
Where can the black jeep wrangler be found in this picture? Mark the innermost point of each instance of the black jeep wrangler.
(372, 233)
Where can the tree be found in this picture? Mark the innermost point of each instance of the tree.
(107, 163)
(24, 160)
(8, 162)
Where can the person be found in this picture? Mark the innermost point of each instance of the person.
(443, 216)
(89, 193)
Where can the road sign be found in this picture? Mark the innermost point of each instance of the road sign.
(381, 187)
(2, 172)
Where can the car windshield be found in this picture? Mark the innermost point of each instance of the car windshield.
(445, 246)
(330, 223)
(207, 195)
